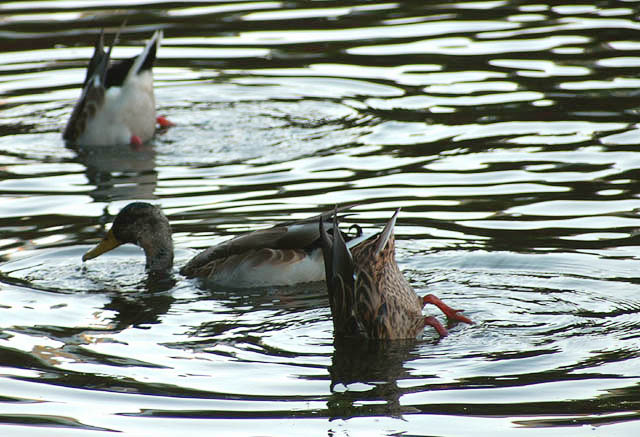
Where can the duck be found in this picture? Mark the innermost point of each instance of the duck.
(117, 104)
(369, 296)
(285, 254)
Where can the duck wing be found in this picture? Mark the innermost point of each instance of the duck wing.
(93, 91)
(340, 278)
(287, 241)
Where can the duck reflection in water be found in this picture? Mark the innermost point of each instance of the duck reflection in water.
(377, 364)
(143, 307)
(119, 173)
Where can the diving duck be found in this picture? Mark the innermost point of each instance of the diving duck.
(368, 295)
(285, 254)
(117, 105)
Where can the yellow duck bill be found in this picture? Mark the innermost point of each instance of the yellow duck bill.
(109, 242)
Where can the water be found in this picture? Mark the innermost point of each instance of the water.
(507, 132)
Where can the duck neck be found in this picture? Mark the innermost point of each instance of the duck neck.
(158, 250)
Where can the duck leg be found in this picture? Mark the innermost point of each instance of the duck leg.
(432, 321)
(446, 309)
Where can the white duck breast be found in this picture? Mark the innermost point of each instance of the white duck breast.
(117, 105)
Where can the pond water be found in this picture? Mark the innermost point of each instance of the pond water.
(506, 130)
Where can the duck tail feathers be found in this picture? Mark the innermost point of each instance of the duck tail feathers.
(337, 257)
(146, 59)
(98, 64)
(339, 271)
(387, 233)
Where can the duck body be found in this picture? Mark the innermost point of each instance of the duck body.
(261, 258)
(286, 254)
(117, 104)
(128, 115)
(368, 294)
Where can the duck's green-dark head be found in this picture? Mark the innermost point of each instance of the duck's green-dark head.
(137, 223)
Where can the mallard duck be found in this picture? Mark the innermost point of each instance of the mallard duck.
(368, 295)
(117, 105)
(285, 254)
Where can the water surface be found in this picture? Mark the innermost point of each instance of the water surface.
(506, 131)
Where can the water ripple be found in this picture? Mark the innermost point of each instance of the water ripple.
(506, 132)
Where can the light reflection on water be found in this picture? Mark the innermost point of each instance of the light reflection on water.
(505, 131)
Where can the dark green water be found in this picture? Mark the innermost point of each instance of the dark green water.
(507, 131)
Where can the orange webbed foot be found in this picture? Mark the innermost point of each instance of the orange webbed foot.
(432, 321)
(163, 122)
(446, 309)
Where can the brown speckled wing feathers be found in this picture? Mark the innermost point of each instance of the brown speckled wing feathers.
(368, 294)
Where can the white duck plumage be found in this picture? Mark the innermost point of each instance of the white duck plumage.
(117, 104)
